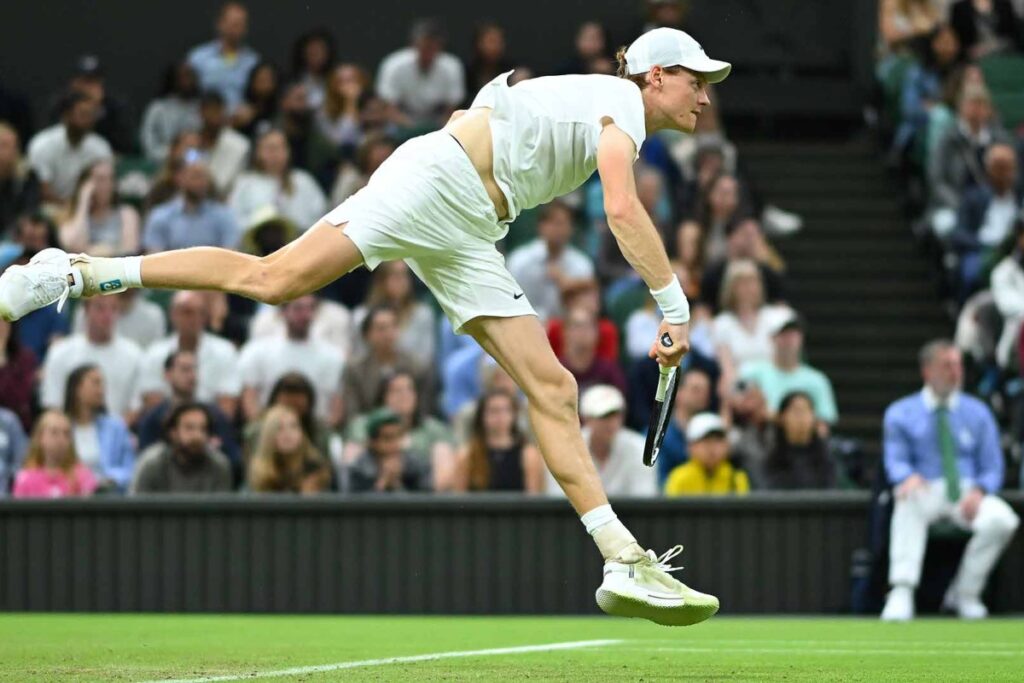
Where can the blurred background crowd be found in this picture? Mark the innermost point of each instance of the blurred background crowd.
(364, 386)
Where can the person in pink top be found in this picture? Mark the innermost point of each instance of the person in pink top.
(51, 467)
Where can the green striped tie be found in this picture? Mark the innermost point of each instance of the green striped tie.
(947, 446)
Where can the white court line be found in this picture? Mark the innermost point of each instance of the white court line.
(866, 643)
(829, 651)
(302, 670)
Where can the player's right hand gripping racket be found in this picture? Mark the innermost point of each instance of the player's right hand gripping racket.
(662, 412)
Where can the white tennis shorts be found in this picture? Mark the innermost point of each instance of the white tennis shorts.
(427, 206)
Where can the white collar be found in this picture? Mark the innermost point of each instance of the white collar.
(931, 401)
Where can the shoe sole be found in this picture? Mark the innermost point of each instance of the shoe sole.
(618, 605)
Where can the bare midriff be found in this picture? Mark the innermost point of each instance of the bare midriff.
(473, 131)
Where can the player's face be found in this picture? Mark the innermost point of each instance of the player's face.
(685, 95)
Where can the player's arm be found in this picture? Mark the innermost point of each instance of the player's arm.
(639, 240)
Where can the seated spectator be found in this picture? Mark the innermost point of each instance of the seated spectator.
(181, 376)
(60, 153)
(549, 265)
(263, 361)
(332, 323)
(51, 468)
(258, 107)
(744, 242)
(708, 470)
(337, 118)
(98, 222)
(193, 218)
(226, 148)
(591, 44)
(164, 185)
(798, 456)
(489, 59)
(186, 461)
(641, 328)
(313, 56)
(13, 444)
(18, 367)
(117, 357)
(219, 380)
(587, 294)
(223, 64)
(922, 88)
(140, 320)
(423, 83)
(693, 396)
(903, 24)
(292, 390)
(426, 437)
(579, 354)
(742, 332)
(689, 262)
(384, 466)
(613, 447)
(1008, 292)
(986, 26)
(285, 461)
(273, 182)
(102, 441)
(373, 150)
(19, 186)
(745, 410)
(365, 373)
(173, 112)
(392, 285)
(492, 377)
(786, 373)
(310, 150)
(497, 457)
(720, 204)
(956, 164)
(943, 457)
(986, 217)
(112, 122)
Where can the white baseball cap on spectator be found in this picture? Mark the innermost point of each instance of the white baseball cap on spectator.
(601, 400)
(703, 425)
(789, 321)
(672, 47)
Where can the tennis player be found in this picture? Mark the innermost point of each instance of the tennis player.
(441, 202)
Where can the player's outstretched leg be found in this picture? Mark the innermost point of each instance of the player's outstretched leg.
(636, 583)
(320, 255)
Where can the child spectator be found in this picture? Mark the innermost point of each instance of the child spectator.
(51, 467)
(709, 470)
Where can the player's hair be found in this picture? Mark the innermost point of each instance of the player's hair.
(272, 470)
(622, 71)
(479, 475)
(35, 459)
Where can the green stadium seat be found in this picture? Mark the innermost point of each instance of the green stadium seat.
(1004, 73)
(1010, 107)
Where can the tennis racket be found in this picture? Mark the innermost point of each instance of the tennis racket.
(661, 414)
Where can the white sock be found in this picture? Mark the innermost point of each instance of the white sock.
(111, 275)
(610, 534)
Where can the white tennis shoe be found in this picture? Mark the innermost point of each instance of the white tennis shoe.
(641, 586)
(48, 277)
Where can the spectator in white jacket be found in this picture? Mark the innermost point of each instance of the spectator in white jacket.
(175, 111)
(1008, 292)
(273, 182)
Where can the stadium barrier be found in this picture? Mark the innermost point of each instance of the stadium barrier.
(446, 554)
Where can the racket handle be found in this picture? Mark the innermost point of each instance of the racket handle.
(663, 380)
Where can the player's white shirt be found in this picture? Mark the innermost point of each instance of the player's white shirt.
(216, 368)
(545, 131)
(117, 360)
(263, 361)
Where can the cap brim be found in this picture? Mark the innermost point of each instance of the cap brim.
(711, 69)
(711, 432)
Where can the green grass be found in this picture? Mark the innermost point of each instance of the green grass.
(45, 647)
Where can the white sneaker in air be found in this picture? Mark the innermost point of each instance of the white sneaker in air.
(642, 587)
(899, 605)
(48, 277)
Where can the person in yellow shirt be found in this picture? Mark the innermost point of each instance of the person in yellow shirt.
(708, 470)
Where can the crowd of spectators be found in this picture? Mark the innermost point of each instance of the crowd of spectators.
(952, 75)
(363, 386)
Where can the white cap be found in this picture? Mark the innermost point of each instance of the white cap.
(672, 47)
(703, 424)
(601, 400)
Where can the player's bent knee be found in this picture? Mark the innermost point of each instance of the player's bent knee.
(555, 393)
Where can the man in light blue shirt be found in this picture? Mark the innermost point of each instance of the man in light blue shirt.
(192, 219)
(942, 455)
(785, 373)
(224, 64)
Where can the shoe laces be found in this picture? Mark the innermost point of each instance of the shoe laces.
(46, 290)
(662, 561)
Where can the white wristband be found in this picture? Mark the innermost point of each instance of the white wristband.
(672, 302)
